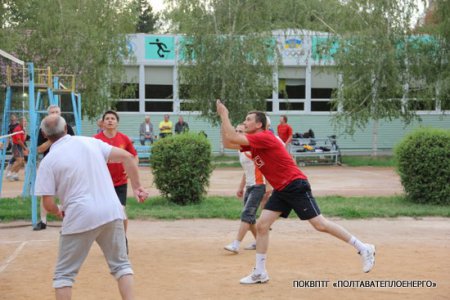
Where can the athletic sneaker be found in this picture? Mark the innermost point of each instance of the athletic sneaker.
(40, 226)
(252, 246)
(255, 278)
(368, 257)
(231, 248)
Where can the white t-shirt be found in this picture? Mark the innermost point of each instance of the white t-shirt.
(252, 174)
(75, 171)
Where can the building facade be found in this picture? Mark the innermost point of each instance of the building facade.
(308, 80)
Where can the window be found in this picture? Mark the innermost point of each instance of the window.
(161, 106)
(321, 93)
(321, 106)
(158, 91)
(127, 106)
(292, 106)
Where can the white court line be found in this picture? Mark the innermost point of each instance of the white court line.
(16, 242)
(12, 257)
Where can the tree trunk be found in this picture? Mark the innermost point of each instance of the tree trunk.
(375, 125)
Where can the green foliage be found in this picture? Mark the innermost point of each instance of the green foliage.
(374, 86)
(423, 159)
(228, 53)
(85, 38)
(182, 167)
(147, 19)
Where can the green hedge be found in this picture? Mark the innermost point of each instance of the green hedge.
(423, 162)
(182, 167)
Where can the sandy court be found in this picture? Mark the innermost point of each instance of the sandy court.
(325, 180)
(185, 259)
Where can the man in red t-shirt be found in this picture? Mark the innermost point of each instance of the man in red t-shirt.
(284, 131)
(291, 189)
(112, 136)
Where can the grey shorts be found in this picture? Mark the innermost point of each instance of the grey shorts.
(252, 199)
(74, 248)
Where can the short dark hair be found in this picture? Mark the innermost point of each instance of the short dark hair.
(260, 117)
(284, 118)
(110, 112)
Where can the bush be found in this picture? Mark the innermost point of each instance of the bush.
(182, 167)
(423, 162)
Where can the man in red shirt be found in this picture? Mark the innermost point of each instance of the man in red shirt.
(291, 189)
(112, 136)
(19, 149)
(285, 131)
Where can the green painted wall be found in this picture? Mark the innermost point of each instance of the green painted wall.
(389, 132)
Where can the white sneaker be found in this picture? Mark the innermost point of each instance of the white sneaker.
(252, 246)
(231, 248)
(255, 278)
(368, 258)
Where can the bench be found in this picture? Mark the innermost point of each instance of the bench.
(315, 150)
(143, 153)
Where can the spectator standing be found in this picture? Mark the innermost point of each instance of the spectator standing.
(75, 171)
(165, 127)
(181, 126)
(146, 131)
(285, 132)
(43, 147)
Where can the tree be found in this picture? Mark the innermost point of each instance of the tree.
(227, 53)
(378, 61)
(85, 38)
(147, 19)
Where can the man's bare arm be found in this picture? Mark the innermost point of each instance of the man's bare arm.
(229, 135)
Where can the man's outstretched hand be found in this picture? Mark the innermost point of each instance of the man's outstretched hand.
(222, 111)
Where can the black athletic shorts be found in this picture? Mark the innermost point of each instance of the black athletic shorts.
(121, 191)
(295, 196)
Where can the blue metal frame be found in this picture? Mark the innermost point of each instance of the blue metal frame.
(33, 111)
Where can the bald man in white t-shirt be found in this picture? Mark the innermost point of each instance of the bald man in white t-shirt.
(75, 171)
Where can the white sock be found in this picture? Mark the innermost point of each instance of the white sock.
(236, 244)
(360, 246)
(260, 263)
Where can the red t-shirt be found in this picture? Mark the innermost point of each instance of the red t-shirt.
(18, 137)
(272, 158)
(284, 132)
(120, 140)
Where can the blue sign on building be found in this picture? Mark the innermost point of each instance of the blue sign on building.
(159, 47)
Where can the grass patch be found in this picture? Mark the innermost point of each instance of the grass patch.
(373, 161)
(221, 161)
(230, 208)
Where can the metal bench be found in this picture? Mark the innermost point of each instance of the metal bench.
(315, 150)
